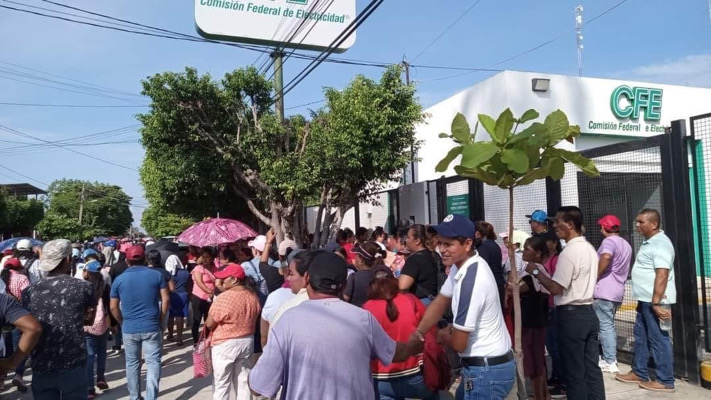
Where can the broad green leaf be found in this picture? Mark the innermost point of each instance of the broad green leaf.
(528, 115)
(444, 135)
(488, 123)
(460, 129)
(506, 181)
(532, 176)
(476, 153)
(503, 126)
(573, 132)
(477, 173)
(516, 159)
(534, 155)
(444, 163)
(557, 124)
(556, 169)
(532, 131)
(583, 163)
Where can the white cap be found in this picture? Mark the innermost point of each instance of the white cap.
(259, 243)
(24, 245)
(288, 243)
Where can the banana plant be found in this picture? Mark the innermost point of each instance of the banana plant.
(512, 159)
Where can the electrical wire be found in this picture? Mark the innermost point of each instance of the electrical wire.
(305, 104)
(360, 18)
(25, 135)
(435, 40)
(69, 105)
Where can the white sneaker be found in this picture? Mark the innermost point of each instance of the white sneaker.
(612, 368)
(604, 366)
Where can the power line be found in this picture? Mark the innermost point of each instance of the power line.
(305, 104)
(59, 88)
(113, 133)
(446, 30)
(549, 41)
(18, 133)
(360, 18)
(69, 105)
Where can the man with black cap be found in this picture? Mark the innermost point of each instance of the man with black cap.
(310, 346)
(63, 305)
(478, 333)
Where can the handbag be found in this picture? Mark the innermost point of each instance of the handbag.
(436, 370)
(202, 356)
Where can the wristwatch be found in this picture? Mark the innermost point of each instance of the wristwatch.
(536, 272)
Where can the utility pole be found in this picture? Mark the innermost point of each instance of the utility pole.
(278, 55)
(81, 203)
(579, 34)
(406, 65)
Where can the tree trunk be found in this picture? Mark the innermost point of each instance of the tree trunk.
(326, 226)
(319, 219)
(513, 280)
(336, 224)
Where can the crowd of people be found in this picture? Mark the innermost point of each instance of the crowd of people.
(370, 315)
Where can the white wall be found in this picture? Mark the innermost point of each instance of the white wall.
(582, 99)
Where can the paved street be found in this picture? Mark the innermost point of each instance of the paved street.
(178, 383)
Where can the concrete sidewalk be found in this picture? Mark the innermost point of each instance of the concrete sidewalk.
(177, 381)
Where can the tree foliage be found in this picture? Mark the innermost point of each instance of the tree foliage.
(209, 143)
(512, 159)
(19, 216)
(160, 224)
(105, 210)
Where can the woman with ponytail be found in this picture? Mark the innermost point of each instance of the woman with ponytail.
(399, 314)
(367, 256)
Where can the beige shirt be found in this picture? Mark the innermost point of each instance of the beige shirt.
(577, 273)
(300, 297)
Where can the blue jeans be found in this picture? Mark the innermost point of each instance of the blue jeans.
(412, 386)
(606, 311)
(68, 385)
(95, 351)
(552, 344)
(488, 382)
(152, 344)
(648, 335)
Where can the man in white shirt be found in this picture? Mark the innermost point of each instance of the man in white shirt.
(573, 285)
(478, 333)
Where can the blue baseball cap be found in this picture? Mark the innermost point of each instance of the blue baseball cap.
(93, 266)
(538, 216)
(455, 225)
(89, 252)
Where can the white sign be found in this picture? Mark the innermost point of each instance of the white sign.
(272, 22)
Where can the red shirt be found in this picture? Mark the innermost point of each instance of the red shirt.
(350, 257)
(410, 312)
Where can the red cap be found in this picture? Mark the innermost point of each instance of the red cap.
(609, 222)
(233, 270)
(13, 263)
(135, 253)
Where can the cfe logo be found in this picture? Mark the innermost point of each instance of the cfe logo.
(627, 102)
(300, 2)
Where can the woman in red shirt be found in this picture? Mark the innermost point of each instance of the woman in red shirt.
(399, 314)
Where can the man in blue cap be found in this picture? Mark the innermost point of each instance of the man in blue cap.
(539, 222)
(478, 333)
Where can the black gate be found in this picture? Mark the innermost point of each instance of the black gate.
(701, 156)
(651, 172)
(455, 195)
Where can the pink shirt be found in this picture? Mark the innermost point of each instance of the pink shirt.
(208, 279)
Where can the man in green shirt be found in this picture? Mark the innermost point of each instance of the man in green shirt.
(654, 289)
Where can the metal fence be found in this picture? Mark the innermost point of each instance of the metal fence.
(701, 187)
(630, 180)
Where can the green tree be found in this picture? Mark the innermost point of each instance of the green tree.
(104, 209)
(159, 224)
(513, 159)
(19, 216)
(209, 143)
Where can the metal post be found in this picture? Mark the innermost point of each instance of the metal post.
(279, 83)
(579, 34)
(676, 197)
(406, 65)
(81, 204)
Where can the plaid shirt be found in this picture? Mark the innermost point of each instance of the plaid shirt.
(18, 283)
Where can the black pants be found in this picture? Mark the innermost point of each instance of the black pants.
(579, 347)
(200, 309)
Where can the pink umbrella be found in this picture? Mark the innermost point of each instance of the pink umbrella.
(215, 231)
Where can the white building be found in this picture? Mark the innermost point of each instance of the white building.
(607, 111)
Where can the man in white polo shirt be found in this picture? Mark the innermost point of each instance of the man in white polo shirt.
(478, 333)
(573, 285)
